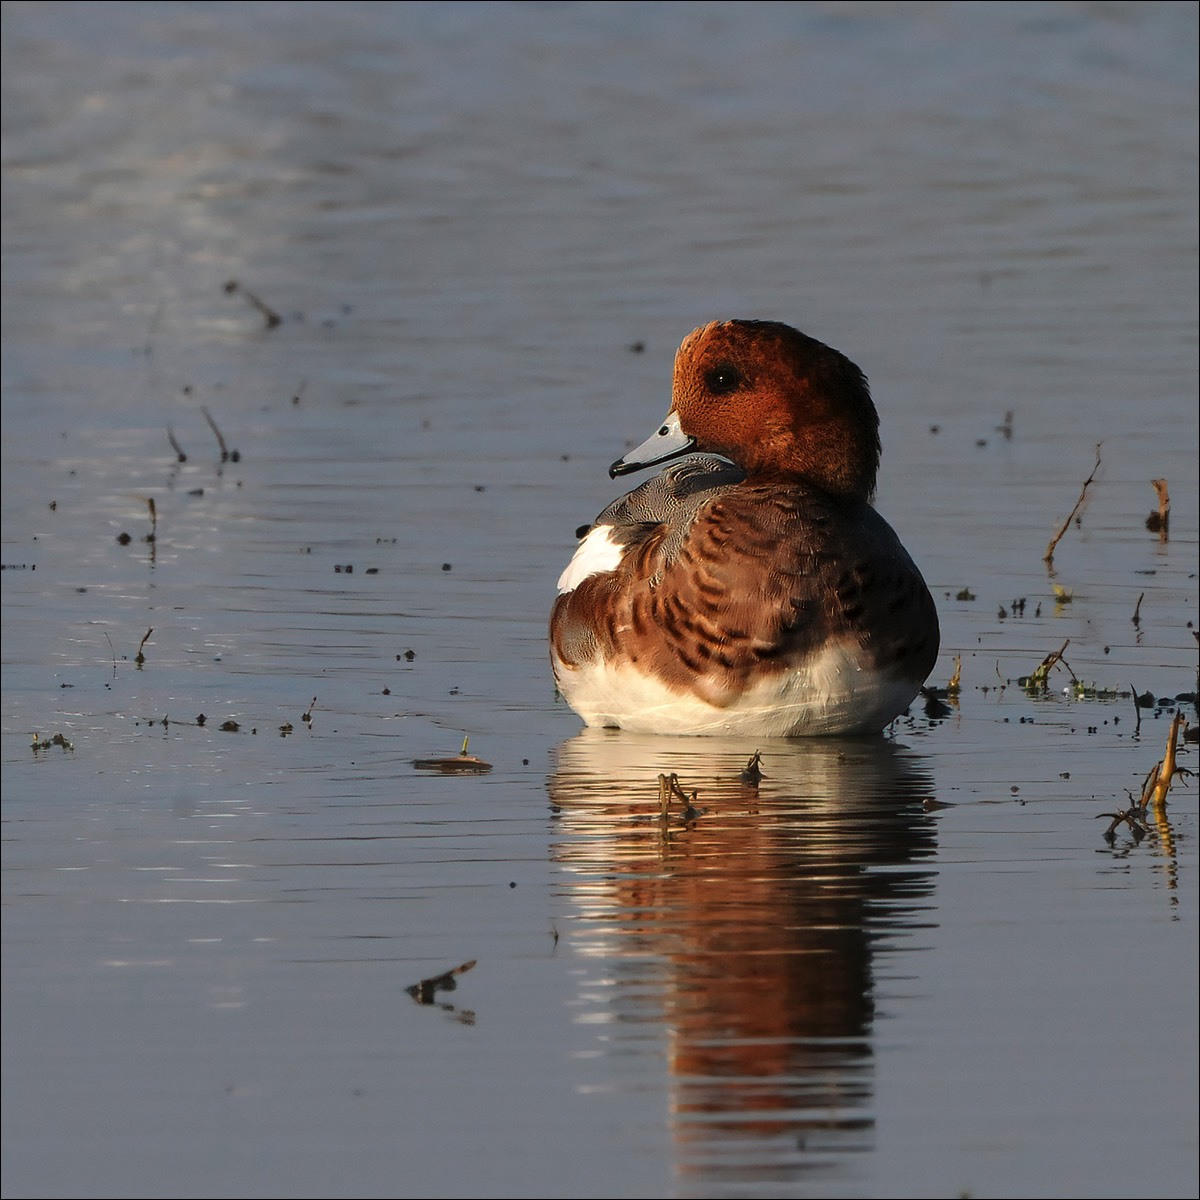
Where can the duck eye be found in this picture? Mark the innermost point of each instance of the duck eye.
(722, 379)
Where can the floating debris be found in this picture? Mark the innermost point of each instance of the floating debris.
(461, 764)
(39, 745)
(1159, 522)
(1092, 691)
(426, 991)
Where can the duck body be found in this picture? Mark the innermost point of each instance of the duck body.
(750, 588)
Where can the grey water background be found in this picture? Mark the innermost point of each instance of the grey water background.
(910, 966)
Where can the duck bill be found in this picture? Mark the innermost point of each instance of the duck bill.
(668, 442)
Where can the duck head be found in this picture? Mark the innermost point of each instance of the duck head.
(774, 401)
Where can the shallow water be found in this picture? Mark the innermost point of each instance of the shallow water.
(907, 966)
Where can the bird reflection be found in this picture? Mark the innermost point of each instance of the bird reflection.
(749, 927)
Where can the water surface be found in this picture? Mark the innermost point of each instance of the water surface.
(907, 966)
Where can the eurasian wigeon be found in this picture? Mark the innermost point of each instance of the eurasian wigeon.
(757, 593)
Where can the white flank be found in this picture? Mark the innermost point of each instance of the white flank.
(597, 554)
(831, 695)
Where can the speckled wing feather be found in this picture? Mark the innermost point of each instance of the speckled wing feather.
(762, 576)
(659, 511)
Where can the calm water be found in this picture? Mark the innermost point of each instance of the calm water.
(909, 966)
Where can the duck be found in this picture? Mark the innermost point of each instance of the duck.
(750, 588)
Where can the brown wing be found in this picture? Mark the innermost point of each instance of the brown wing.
(768, 574)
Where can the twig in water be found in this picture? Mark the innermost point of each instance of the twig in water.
(1048, 557)
(752, 772)
(269, 315)
(227, 455)
(1154, 793)
(141, 658)
(1133, 817)
(1041, 675)
(179, 454)
(668, 787)
(1158, 782)
(955, 684)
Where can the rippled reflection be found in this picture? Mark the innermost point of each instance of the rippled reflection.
(750, 931)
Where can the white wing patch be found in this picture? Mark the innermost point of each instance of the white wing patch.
(596, 555)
